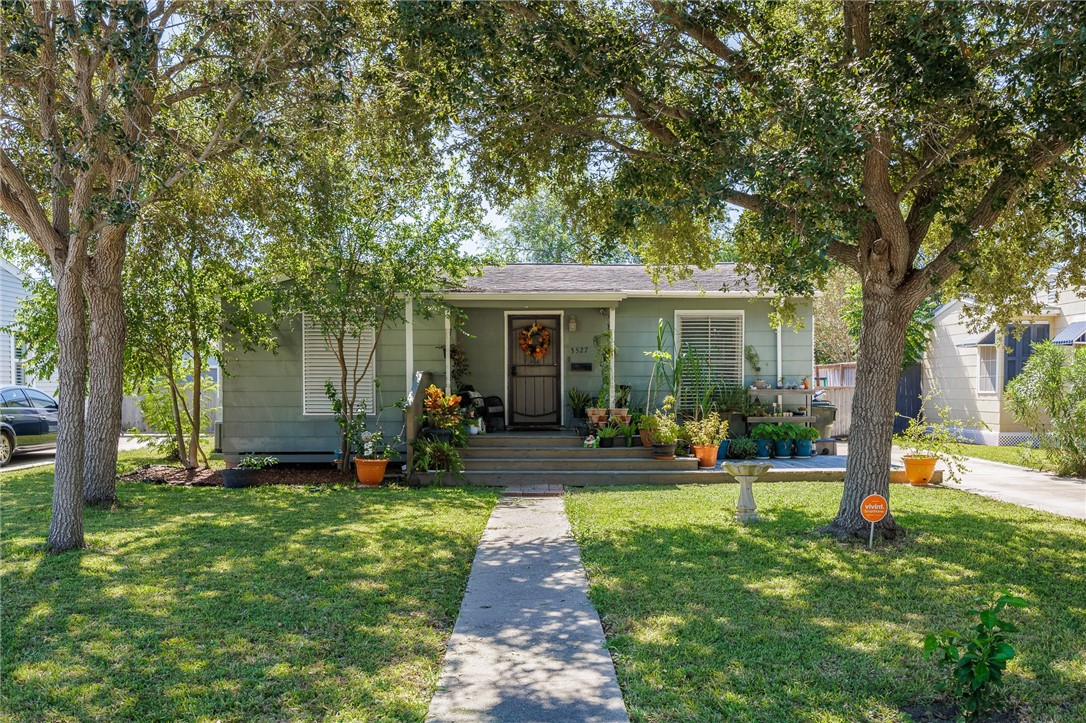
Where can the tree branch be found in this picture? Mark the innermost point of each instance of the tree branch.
(707, 39)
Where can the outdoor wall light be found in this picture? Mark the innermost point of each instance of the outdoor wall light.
(573, 322)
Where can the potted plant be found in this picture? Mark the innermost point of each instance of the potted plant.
(438, 457)
(925, 443)
(755, 362)
(742, 448)
(607, 434)
(782, 440)
(372, 452)
(763, 434)
(705, 436)
(248, 469)
(578, 402)
(441, 414)
(804, 439)
(665, 430)
(471, 423)
(627, 430)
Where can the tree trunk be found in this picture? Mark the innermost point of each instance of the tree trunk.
(66, 524)
(105, 353)
(197, 391)
(878, 367)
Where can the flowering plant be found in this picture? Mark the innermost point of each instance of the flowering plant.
(442, 410)
(369, 444)
(535, 341)
(665, 430)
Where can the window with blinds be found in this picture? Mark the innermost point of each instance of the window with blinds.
(714, 345)
(319, 365)
(987, 359)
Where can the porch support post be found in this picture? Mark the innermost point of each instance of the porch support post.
(611, 327)
(409, 343)
(448, 354)
(780, 362)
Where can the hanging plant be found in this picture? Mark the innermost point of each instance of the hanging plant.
(535, 341)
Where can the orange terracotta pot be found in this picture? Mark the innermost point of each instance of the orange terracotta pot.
(370, 471)
(919, 470)
(706, 454)
(646, 438)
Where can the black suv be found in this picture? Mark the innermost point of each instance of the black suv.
(28, 421)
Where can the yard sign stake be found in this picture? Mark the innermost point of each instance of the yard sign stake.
(873, 509)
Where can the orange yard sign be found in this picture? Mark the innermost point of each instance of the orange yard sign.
(874, 508)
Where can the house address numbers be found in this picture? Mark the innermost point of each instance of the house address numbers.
(573, 350)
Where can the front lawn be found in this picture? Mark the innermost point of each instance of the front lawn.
(710, 620)
(269, 603)
(1021, 456)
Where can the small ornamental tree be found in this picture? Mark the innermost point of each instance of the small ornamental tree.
(1049, 397)
(919, 144)
(383, 226)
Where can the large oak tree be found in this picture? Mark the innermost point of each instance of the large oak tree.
(106, 106)
(920, 144)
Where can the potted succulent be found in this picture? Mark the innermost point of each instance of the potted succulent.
(764, 435)
(742, 448)
(782, 440)
(804, 439)
(578, 401)
(628, 430)
(607, 434)
(441, 414)
(665, 430)
(705, 436)
(247, 470)
(925, 443)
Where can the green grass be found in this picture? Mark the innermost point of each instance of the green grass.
(710, 620)
(1021, 456)
(204, 603)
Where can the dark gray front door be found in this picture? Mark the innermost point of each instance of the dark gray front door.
(534, 372)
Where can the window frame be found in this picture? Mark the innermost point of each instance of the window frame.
(322, 408)
(730, 314)
(996, 376)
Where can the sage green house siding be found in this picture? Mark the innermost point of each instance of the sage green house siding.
(262, 397)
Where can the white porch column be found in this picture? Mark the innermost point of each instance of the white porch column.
(409, 343)
(611, 327)
(448, 354)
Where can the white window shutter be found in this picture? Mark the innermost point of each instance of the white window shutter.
(717, 339)
(319, 366)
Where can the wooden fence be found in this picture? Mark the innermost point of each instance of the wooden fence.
(840, 397)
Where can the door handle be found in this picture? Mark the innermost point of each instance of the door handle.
(512, 371)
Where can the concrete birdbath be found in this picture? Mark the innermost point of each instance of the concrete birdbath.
(747, 474)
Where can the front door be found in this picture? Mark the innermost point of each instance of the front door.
(534, 372)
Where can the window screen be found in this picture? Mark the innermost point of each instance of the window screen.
(713, 343)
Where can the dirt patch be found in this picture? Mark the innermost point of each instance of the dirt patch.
(161, 474)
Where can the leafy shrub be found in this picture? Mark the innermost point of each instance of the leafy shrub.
(440, 457)
(977, 660)
(939, 439)
(1049, 398)
(742, 448)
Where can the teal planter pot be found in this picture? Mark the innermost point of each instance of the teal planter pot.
(782, 448)
(803, 447)
(722, 451)
(764, 446)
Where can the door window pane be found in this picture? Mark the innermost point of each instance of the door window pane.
(40, 400)
(13, 398)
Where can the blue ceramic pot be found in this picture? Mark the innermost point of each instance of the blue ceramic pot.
(764, 446)
(722, 452)
(803, 448)
(782, 448)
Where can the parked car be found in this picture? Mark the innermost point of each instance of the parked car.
(28, 422)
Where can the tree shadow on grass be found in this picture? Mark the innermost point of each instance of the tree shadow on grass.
(272, 603)
(711, 620)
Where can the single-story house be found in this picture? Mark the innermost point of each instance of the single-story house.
(275, 403)
(12, 353)
(967, 371)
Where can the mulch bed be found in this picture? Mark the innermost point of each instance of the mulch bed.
(162, 474)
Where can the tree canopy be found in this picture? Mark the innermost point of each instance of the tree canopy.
(921, 144)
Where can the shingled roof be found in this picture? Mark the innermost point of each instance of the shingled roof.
(624, 279)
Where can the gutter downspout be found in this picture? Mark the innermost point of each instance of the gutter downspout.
(780, 363)
(448, 354)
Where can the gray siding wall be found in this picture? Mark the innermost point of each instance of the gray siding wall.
(262, 397)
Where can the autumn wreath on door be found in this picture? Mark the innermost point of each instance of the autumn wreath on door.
(535, 340)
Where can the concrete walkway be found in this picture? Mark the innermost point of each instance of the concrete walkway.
(528, 645)
(1025, 487)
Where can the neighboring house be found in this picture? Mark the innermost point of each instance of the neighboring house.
(13, 354)
(968, 371)
(275, 403)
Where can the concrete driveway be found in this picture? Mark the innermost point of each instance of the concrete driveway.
(38, 459)
(1029, 488)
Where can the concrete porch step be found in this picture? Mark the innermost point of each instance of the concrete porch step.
(579, 463)
(525, 439)
(513, 478)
